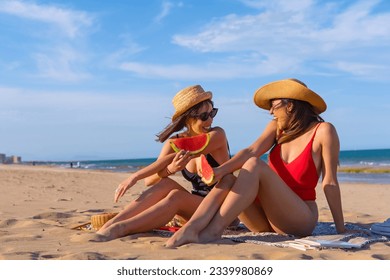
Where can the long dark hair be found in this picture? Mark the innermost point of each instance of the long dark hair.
(302, 117)
(180, 122)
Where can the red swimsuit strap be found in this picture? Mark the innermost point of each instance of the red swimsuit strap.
(315, 131)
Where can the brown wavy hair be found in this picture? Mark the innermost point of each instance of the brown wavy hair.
(302, 117)
(180, 122)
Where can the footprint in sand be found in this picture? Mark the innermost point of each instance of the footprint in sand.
(19, 237)
(85, 256)
(64, 199)
(22, 256)
(83, 236)
(8, 223)
(52, 215)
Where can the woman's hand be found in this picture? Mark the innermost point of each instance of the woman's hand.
(180, 161)
(124, 186)
(218, 174)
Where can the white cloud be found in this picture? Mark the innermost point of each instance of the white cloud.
(60, 55)
(282, 29)
(61, 64)
(279, 5)
(166, 8)
(70, 22)
(128, 49)
(215, 70)
(178, 71)
(308, 31)
(357, 24)
(9, 90)
(364, 69)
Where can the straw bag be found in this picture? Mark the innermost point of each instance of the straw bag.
(97, 221)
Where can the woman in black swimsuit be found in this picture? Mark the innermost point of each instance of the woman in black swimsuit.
(165, 198)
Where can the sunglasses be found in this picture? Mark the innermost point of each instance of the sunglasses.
(205, 115)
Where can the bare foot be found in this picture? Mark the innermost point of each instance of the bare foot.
(97, 237)
(206, 236)
(106, 234)
(209, 238)
(183, 236)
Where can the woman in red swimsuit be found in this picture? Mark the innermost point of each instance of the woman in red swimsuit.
(279, 196)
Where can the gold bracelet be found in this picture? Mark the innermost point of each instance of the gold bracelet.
(168, 171)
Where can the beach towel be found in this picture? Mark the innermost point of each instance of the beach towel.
(324, 236)
(381, 228)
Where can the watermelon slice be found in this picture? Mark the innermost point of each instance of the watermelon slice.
(194, 144)
(206, 170)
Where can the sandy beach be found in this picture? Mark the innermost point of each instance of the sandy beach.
(40, 205)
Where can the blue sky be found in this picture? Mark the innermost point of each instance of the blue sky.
(86, 79)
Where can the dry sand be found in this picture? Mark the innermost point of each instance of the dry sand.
(39, 205)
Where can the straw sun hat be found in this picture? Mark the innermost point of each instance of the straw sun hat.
(187, 98)
(291, 89)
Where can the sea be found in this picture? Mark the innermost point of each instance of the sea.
(379, 158)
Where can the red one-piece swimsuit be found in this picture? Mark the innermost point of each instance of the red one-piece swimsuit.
(300, 174)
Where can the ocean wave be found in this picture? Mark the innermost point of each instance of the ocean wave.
(377, 178)
(373, 163)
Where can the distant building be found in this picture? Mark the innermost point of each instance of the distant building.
(15, 159)
(2, 158)
(10, 159)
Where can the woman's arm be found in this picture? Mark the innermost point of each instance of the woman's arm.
(330, 157)
(151, 169)
(258, 148)
(154, 177)
(218, 145)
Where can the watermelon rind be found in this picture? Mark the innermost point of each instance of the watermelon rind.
(184, 143)
(205, 168)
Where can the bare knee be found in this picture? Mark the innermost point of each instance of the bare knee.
(182, 203)
(175, 195)
(255, 164)
(227, 182)
(159, 190)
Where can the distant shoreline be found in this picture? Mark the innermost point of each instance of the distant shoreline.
(364, 169)
(343, 168)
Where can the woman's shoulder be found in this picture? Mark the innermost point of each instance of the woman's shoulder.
(218, 131)
(327, 132)
(326, 127)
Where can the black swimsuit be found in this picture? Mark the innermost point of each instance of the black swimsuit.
(198, 186)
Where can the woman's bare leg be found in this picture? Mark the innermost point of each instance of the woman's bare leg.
(261, 224)
(284, 210)
(240, 197)
(148, 198)
(176, 202)
(203, 214)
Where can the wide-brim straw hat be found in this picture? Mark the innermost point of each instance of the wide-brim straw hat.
(291, 89)
(187, 98)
